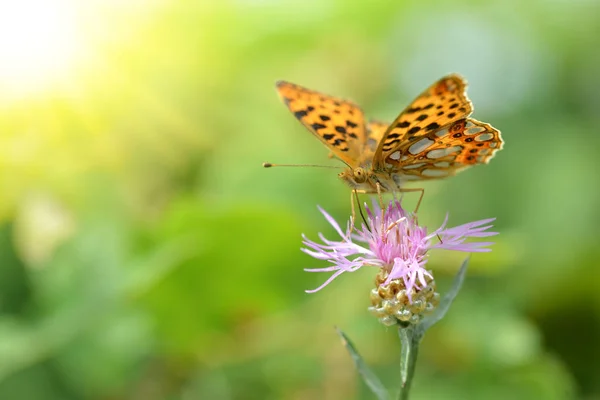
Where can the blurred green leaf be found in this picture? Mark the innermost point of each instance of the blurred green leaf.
(445, 303)
(368, 376)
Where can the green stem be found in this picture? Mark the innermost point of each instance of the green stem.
(409, 339)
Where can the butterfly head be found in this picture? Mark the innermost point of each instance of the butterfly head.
(358, 178)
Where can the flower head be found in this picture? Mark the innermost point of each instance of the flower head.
(393, 241)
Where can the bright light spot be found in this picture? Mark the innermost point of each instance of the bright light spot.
(39, 44)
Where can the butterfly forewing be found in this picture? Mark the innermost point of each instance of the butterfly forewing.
(440, 105)
(336, 122)
(444, 152)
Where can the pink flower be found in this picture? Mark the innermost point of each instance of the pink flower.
(394, 242)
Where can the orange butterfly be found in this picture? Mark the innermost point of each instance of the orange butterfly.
(432, 138)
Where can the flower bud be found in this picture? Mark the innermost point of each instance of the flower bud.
(392, 303)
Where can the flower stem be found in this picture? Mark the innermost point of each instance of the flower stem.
(409, 339)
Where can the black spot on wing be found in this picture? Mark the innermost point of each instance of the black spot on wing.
(432, 126)
(388, 146)
(300, 114)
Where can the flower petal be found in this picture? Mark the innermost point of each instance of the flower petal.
(332, 221)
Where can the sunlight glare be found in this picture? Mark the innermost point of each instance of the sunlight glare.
(39, 44)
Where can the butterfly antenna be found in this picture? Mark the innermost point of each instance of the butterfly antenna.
(347, 165)
(271, 165)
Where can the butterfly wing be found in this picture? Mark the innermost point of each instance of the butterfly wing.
(446, 151)
(441, 104)
(375, 131)
(434, 138)
(338, 123)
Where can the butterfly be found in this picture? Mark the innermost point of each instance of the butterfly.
(432, 138)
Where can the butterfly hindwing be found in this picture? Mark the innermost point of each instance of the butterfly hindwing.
(444, 152)
(375, 132)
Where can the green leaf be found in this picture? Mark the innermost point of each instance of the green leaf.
(410, 337)
(368, 376)
(447, 300)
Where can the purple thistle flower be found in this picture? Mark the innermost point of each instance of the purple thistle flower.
(393, 241)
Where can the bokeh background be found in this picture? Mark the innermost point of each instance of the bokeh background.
(145, 254)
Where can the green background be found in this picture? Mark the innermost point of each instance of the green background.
(145, 254)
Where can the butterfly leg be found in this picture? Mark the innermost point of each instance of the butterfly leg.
(379, 195)
(353, 217)
(415, 190)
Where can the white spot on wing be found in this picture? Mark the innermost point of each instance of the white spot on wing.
(404, 158)
(483, 137)
(442, 132)
(434, 172)
(474, 130)
(410, 177)
(420, 146)
(413, 166)
(439, 153)
(395, 155)
(442, 164)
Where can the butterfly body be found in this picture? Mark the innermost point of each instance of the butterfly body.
(432, 138)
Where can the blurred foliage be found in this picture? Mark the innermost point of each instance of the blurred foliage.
(145, 254)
